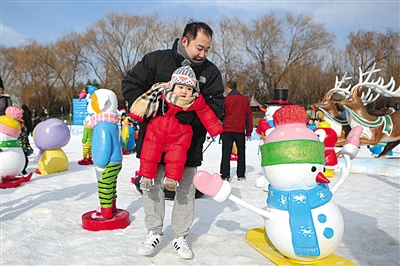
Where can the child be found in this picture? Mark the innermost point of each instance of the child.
(164, 133)
(26, 146)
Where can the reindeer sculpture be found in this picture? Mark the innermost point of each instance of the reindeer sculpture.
(331, 114)
(376, 128)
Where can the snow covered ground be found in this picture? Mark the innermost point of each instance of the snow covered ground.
(41, 220)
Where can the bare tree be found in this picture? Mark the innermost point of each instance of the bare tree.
(366, 48)
(262, 55)
(227, 55)
(68, 66)
(167, 32)
(282, 45)
(115, 44)
(34, 82)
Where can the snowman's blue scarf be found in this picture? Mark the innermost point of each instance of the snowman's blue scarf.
(299, 204)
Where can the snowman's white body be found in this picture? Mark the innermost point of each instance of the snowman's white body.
(12, 160)
(293, 177)
(279, 232)
(299, 198)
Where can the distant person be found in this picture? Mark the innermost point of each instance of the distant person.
(237, 124)
(35, 119)
(5, 99)
(121, 119)
(27, 117)
(164, 132)
(25, 144)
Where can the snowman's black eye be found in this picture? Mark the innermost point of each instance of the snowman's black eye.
(313, 169)
(324, 170)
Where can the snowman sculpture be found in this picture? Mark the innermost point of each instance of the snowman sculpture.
(302, 221)
(12, 158)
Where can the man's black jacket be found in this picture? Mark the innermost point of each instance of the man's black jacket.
(158, 66)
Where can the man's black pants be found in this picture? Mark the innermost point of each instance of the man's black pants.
(228, 138)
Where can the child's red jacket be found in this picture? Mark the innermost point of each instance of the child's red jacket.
(166, 134)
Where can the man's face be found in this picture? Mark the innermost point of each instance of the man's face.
(197, 49)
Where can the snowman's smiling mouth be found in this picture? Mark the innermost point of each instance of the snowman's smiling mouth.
(306, 181)
(320, 178)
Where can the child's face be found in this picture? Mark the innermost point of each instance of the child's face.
(183, 91)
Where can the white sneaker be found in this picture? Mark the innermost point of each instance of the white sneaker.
(181, 246)
(147, 246)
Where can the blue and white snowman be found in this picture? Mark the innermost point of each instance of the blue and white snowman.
(302, 221)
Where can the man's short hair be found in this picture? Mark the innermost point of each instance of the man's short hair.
(231, 84)
(193, 27)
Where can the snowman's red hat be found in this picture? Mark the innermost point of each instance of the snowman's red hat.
(290, 124)
(9, 123)
(291, 141)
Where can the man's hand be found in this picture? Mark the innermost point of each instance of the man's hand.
(186, 118)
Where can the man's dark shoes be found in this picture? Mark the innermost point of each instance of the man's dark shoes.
(225, 178)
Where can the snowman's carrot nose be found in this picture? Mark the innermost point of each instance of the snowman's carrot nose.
(321, 178)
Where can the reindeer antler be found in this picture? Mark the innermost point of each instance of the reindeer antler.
(338, 86)
(368, 98)
(369, 75)
(385, 90)
(378, 87)
(374, 86)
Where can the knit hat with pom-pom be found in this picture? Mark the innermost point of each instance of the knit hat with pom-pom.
(291, 141)
(184, 76)
(9, 123)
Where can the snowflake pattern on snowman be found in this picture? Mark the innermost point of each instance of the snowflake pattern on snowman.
(299, 198)
(321, 195)
(306, 232)
(283, 201)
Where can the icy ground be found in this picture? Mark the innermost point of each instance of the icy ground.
(41, 219)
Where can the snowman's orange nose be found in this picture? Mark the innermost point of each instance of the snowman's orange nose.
(321, 178)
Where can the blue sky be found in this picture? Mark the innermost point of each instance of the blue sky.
(47, 20)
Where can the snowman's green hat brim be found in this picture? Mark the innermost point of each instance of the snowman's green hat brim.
(292, 151)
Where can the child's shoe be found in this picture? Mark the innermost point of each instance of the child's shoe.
(170, 184)
(145, 183)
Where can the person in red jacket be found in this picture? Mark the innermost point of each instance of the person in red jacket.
(164, 132)
(237, 124)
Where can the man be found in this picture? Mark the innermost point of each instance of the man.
(237, 124)
(158, 66)
(5, 99)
